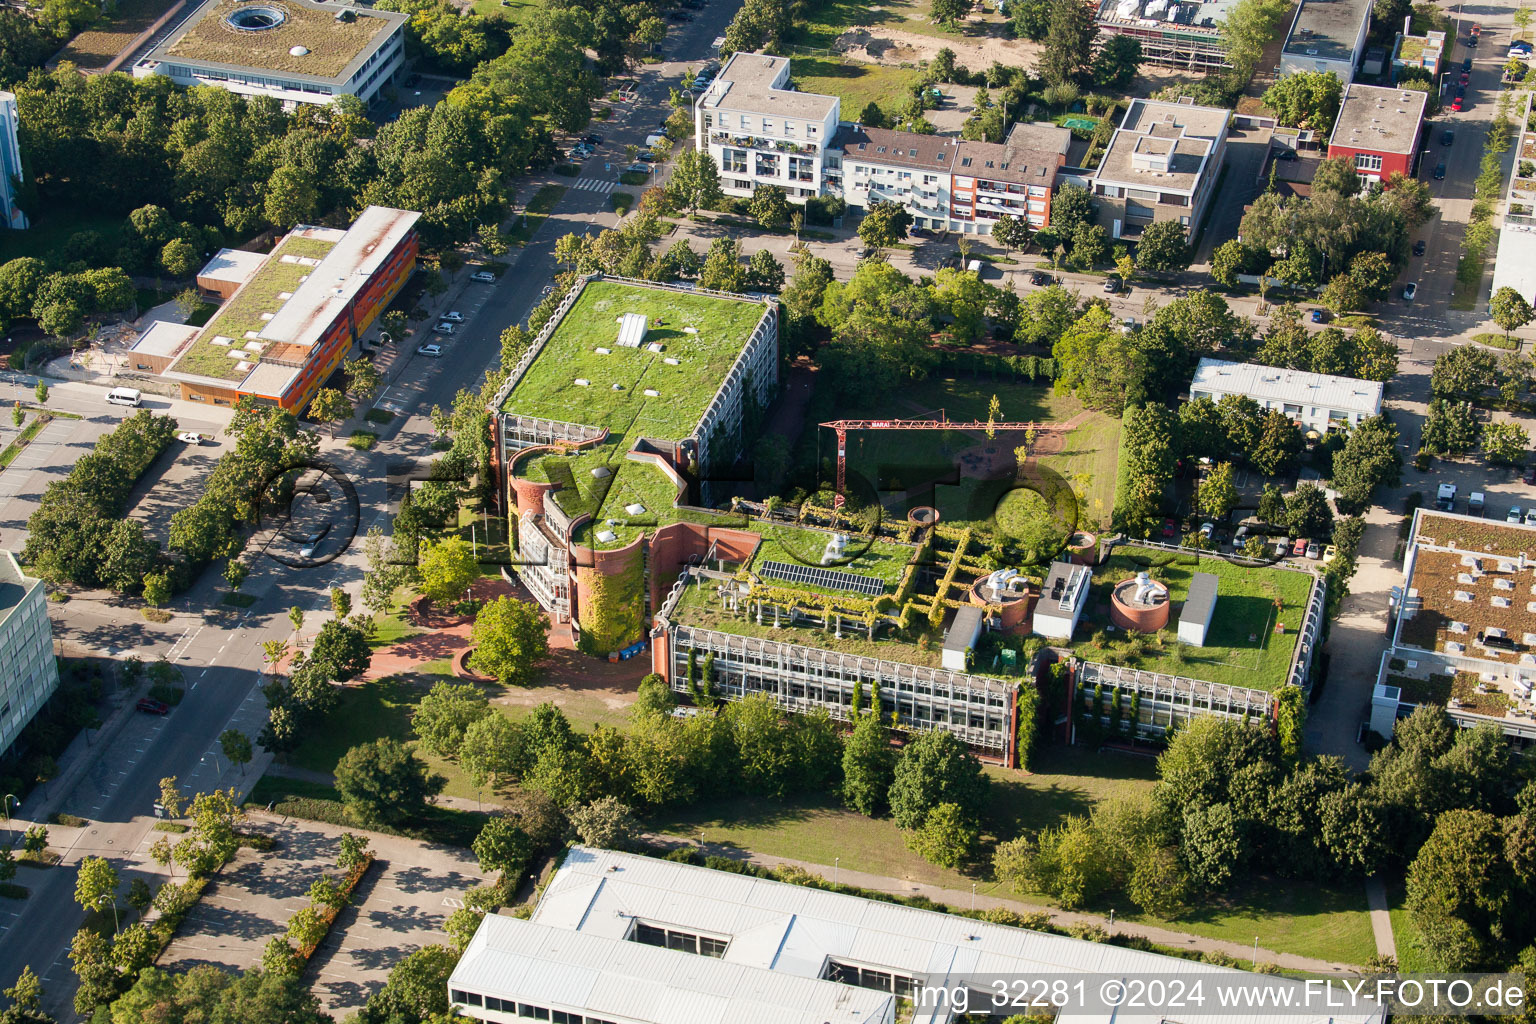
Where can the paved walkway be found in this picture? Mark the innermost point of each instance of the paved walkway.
(435, 644)
(1381, 917)
(960, 900)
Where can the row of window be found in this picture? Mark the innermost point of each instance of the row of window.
(792, 129)
(675, 938)
(832, 674)
(525, 1010)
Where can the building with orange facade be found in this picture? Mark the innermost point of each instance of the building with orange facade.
(288, 321)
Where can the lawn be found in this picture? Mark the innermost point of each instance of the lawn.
(232, 328)
(1409, 956)
(329, 43)
(700, 334)
(534, 214)
(856, 84)
(511, 10)
(1242, 648)
(53, 226)
(95, 47)
(1065, 780)
(1088, 460)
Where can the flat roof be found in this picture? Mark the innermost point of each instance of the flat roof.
(779, 940)
(1200, 600)
(235, 265)
(1181, 134)
(164, 338)
(15, 585)
(1197, 18)
(1514, 262)
(335, 49)
(746, 83)
(1327, 28)
(1380, 120)
(1298, 387)
(963, 630)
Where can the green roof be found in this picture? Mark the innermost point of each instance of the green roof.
(331, 44)
(549, 390)
(1242, 647)
(241, 315)
(881, 559)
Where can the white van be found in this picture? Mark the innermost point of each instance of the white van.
(652, 140)
(124, 396)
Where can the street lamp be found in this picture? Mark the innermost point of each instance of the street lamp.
(835, 861)
(204, 760)
(111, 897)
(7, 805)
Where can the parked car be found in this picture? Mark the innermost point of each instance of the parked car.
(429, 350)
(483, 277)
(153, 707)
(1514, 515)
(1530, 517)
(1286, 154)
(1466, 66)
(1330, 553)
(1419, 247)
(1319, 316)
(1460, 102)
(312, 541)
(1128, 325)
(452, 317)
(592, 139)
(1410, 290)
(1111, 284)
(1519, 48)
(1440, 171)
(1300, 547)
(647, 158)
(1039, 277)
(1447, 137)
(1466, 78)
(1170, 527)
(1206, 529)
(1530, 475)
(637, 168)
(1314, 550)
(192, 438)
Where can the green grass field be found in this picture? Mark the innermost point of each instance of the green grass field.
(1409, 956)
(535, 214)
(855, 83)
(1087, 460)
(52, 227)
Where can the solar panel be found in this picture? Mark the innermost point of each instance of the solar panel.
(832, 579)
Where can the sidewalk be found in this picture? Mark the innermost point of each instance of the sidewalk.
(958, 900)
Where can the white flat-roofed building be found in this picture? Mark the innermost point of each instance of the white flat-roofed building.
(29, 674)
(1162, 163)
(1062, 600)
(223, 275)
(1327, 35)
(297, 51)
(762, 132)
(619, 938)
(1316, 401)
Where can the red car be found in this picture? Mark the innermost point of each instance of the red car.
(153, 707)
(1530, 474)
(1466, 79)
(1459, 101)
(1170, 528)
(1300, 547)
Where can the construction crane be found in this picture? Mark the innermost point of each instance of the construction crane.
(843, 426)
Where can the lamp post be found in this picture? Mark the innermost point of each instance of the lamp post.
(7, 805)
(973, 895)
(835, 861)
(112, 898)
(204, 760)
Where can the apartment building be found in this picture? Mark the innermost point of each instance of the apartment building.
(29, 674)
(762, 132)
(1162, 163)
(1316, 401)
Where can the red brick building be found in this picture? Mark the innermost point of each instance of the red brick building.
(1380, 130)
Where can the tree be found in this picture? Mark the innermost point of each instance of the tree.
(41, 392)
(340, 651)
(444, 715)
(722, 270)
(91, 956)
(511, 639)
(1218, 493)
(1090, 244)
(448, 567)
(1510, 310)
(1306, 99)
(353, 852)
(170, 797)
(35, 839)
(695, 181)
(884, 225)
(1369, 457)
(769, 207)
(417, 989)
(869, 765)
(383, 782)
(1229, 259)
(237, 747)
(502, 846)
(947, 837)
(607, 823)
(935, 768)
(1464, 371)
(178, 258)
(1505, 443)
(95, 883)
(1072, 206)
(1338, 177)
(1067, 54)
(363, 379)
(1011, 232)
(1211, 843)
(341, 603)
(1278, 446)
(279, 957)
(1115, 65)
(1307, 513)
(948, 13)
(330, 406)
(1343, 294)
(1164, 248)
(493, 750)
(1460, 889)
(1451, 428)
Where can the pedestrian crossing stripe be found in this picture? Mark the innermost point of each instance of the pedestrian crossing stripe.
(593, 185)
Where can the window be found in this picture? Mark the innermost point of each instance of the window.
(860, 976)
(676, 938)
(1367, 161)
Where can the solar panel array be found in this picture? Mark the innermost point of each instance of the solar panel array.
(819, 577)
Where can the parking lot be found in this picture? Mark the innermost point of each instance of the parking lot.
(399, 907)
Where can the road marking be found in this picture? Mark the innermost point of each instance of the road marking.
(593, 185)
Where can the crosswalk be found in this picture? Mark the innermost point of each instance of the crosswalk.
(593, 185)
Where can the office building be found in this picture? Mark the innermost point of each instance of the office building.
(1314, 401)
(1379, 130)
(290, 319)
(1327, 36)
(1162, 164)
(296, 51)
(29, 674)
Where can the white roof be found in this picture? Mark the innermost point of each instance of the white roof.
(779, 938)
(336, 280)
(1298, 387)
(558, 968)
(1515, 264)
(164, 338)
(235, 265)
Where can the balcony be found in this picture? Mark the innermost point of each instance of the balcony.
(757, 142)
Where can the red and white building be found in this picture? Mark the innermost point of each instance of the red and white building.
(1380, 130)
